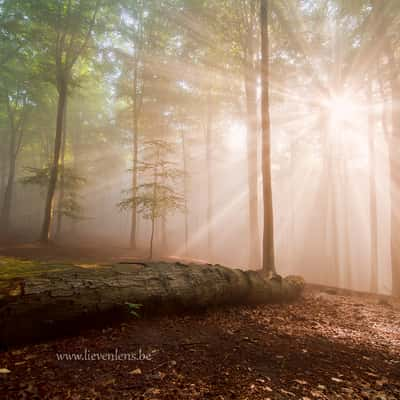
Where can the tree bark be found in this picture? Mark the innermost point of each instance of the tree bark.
(252, 170)
(394, 157)
(185, 191)
(3, 173)
(153, 210)
(210, 211)
(3, 167)
(133, 243)
(62, 176)
(6, 209)
(16, 134)
(164, 236)
(41, 306)
(372, 195)
(48, 211)
(332, 233)
(268, 237)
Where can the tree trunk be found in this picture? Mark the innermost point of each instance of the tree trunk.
(133, 243)
(393, 142)
(252, 170)
(48, 211)
(332, 233)
(3, 171)
(9, 190)
(76, 147)
(62, 176)
(153, 211)
(346, 217)
(12, 158)
(185, 191)
(210, 211)
(394, 157)
(268, 237)
(164, 236)
(42, 306)
(152, 238)
(372, 195)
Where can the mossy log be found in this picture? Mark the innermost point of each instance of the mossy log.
(58, 301)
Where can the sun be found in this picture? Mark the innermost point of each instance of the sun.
(342, 109)
(236, 136)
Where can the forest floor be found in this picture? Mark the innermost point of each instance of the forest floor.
(331, 344)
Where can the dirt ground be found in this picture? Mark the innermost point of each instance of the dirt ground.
(328, 345)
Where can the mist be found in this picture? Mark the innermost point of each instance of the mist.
(151, 113)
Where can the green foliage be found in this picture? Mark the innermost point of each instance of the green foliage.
(156, 196)
(133, 309)
(69, 206)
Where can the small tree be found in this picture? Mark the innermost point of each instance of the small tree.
(155, 196)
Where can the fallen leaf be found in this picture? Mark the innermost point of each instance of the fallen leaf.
(300, 381)
(108, 382)
(4, 371)
(136, 371)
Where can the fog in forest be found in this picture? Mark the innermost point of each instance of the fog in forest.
(154, 108)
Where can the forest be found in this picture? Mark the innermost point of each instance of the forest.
(208, 186)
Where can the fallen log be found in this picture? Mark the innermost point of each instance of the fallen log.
(56, 302)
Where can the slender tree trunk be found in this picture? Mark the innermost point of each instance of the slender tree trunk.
(164, 240)
(76, 153)
(372, 195)
(153, 211)
(292, 203)
(4, 172)
(185, 191)
(210, 211)
(268, 237)
(252, 170)
(346, 218)
(62, 176)
(9, 190)
(48, 211)
(152, 238)
(332, 232)
(133, 243)
(394, 157)
(323, 199)
(385, 114)
(12, 157)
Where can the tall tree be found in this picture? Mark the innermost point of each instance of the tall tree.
(17, 110)
(65, 30)
(18, 100)
(135, 31)
(372, 191)
(250, 84)
(61, 194)
(268, 236)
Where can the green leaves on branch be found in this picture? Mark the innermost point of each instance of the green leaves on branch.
(156, 195)
(69, 206)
